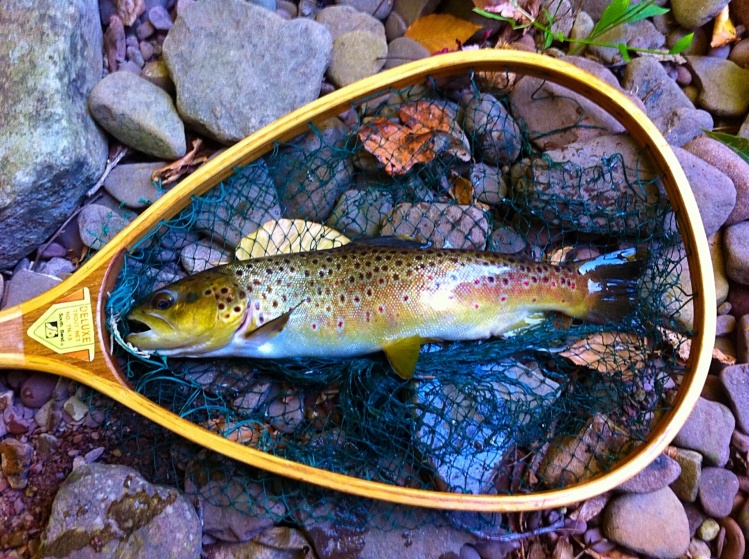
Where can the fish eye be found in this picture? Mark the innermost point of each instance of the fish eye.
(162, 300)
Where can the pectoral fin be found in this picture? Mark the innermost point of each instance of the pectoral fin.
(269, 330)
(403, 355)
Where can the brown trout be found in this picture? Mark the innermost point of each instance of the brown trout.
(364, 297)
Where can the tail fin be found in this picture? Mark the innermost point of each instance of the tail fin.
(612, 282)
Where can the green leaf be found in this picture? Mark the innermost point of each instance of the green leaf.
(644, 11)
(512, 22)
(624, 51)
(736, 143)
(681, 44)
(610, 16)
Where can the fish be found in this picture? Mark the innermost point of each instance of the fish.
(366, 297)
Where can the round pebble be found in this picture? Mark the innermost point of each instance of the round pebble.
(736, 243)
(37, 389)
(356, 55)
(708, 530)
(725, 324)
(160, 18)
(718, 487)
(735, 542)
(658, 474)
(740, 53)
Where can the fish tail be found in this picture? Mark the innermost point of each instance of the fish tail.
(612, 281)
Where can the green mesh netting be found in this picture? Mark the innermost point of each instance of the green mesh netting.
(501, 416)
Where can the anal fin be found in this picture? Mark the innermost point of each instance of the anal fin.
(403, 354)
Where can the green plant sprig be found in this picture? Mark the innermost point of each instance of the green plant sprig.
(615, 14)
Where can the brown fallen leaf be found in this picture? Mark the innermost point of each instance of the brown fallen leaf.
(609, 353)
(426, 117)
(395, 145)
(441, 32)
(172, 172)
(683, 346)
(462, 190)
(724, 32)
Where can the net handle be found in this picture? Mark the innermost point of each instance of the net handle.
(94, 273)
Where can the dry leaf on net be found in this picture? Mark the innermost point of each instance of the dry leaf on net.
(395, 145)
(683, 346)
(724, 32)
(172, 172)
(425, 117)
(609, 353)
(284, 236)
(461, 191)
(441, 32)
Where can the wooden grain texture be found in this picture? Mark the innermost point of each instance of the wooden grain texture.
(102, 374)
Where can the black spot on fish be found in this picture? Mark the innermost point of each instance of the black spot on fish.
(237, 309)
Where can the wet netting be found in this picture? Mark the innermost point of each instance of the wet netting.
(452, 164)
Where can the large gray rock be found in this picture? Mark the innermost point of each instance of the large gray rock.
(139, 114)
(708, 431)
(111, 511)
(646, 78)
(238, 67)
(691, 14)
(51, 151)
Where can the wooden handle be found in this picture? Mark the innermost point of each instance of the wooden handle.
(17, 350)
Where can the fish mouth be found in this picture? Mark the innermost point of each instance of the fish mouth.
(150, 332)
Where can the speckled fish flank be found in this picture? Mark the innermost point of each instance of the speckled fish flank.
(362, 298)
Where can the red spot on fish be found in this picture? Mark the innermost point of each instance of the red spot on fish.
(343, 298)
(356, 299)
(490, 279)
(368, 315)
(526, 283)
(275, 304)
(534, 279)
(505, 281)
(430, 277)
(314, 326)
(572, 285)
(227, 316)
(553, 284)
(475, 305)
(476, 282)
(545, 279)
(369, 292)
(340, 324)
(405, 298)
(381, 281)
(562, 281)
(381, 309)
(309, 299)
(503, 298)
(534, 299)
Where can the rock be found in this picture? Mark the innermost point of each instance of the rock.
(724, 86)
(637, 34)
(736, 243)
(691, 15)
(592, 188)
(160, 18)
(359, 212)
(277, 542)
(356, 55)
(203, 255)
(488, 183)
(715, 243)
(571, 459)
(75, 408)
(714, 191)
(15, 460)
(698, 550)
(735, 381)
(341, 19)
(547, 109)
(403, 50)
(377, 8)
(234, 510)
(708, 431)
(687, 485)
(311, 174)
(98, 225)
(25, 285)
(444, 225)
(740, 54)
(683, 124)
(411, 10)
(457, 442)
(735, 542)
(661, 472)
(131, 184)
(742, 339)
(653, 524)
(232, 80)
(37, 389)
(708, 530)
(51, 151)
(246, 201)
(157, 73)
(490, 128)
(285, 412)
(114, 43)
(111, 511)
(395, 27)
(738, 298)
(506, 240)
(57, 267)
(729, 163)
(139, 114)
(646, 78)
(718, 487)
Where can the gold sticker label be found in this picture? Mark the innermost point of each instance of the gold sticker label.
(67, 326)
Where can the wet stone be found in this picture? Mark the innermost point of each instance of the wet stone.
(708, 431)
(506, 240)
(356, 55)
(653, 524)
(724, 86)
(108, 511)
(98, 225)
(490, 128)
(687, 485)
(736, 245)
(340, 19)
(691, 14)
(682, 125)
(25, 285)
(403, 50)
(131, 184)
(647, 78)
(718, 487)
(488, 183)
(444, 225)
(658, 474)
(359, 212)
(15, 461)
(734, 546)
(203, 255)
(139, 114)
(37, 389)
(735, 380)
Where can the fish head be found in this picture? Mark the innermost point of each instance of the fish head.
(191, 317)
